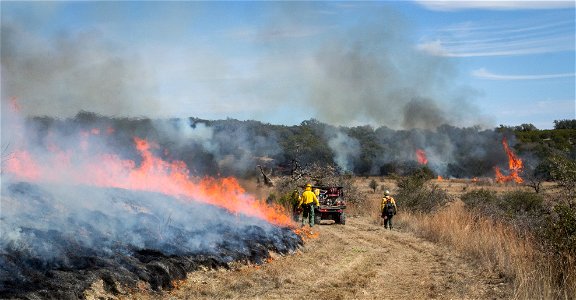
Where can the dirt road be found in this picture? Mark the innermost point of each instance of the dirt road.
(359, 260)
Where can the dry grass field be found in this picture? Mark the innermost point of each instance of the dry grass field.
(446, 256)
(495, 248)
(359, 260)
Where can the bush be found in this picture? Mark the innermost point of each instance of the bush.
(415, 194)
(563, 172)
(519, 208)
(522, 203)
(479, 198)
(373, 185)
(559, 233)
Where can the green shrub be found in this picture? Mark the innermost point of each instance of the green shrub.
(479, 198)
(522, 202)
(559, 240)
(373, 185)
(559, 233)
(415, 194)
(522, 209)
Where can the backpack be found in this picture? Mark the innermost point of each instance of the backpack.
(389, 208)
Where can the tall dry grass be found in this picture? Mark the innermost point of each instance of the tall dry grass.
(498, 247)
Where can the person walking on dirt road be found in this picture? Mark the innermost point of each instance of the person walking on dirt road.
(388, 209)
(307, 201)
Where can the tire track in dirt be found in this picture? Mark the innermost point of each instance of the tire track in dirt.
(359, 260)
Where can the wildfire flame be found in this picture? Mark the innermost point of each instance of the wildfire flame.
(440, 178)
(152, 174)
(514, 165)
(14, 105)
(421, 156)
(306, 233)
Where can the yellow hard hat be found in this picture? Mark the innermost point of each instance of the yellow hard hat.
(308, 185)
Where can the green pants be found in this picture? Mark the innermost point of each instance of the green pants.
(388, 221)
(308, 213)
(295, 212)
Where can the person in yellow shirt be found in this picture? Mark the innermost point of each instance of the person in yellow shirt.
(388, 209)
(308, 201)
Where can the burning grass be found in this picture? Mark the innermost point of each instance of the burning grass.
(152, 174)
(56, 240)
(77, 208)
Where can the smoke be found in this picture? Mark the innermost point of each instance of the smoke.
(71, 72)
(423, 113)
(55, 240)
(372, 74)
(75, 196)
(345, 148)
(355, 72)
(106, 221)
(232, 147)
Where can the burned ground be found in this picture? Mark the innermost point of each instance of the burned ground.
(57, 241)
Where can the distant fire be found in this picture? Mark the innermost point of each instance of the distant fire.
(421, 156)
(514, 166)
(440, 178)
(14, 105)
(152, 174)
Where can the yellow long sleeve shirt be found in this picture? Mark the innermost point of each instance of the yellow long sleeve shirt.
(386, 199)
(308, 197)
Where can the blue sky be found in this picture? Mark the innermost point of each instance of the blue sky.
(402, 64)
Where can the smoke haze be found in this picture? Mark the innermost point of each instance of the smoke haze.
(365, 72)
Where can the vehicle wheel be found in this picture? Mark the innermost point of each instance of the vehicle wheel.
(317, 219)
(342, 219)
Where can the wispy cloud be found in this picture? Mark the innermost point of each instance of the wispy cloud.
(484, 74)
(453, 5)
(514, 37)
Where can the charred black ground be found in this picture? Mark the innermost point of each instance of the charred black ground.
(57, 240)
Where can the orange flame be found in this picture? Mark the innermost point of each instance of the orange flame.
(421, 156)
(14, 105)
(306, 233)
(440, 178)
(153, 174)
(514, 165)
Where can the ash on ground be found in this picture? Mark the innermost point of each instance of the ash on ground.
(56, 240)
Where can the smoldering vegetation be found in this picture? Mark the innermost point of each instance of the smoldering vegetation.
(56, 240)
(234, 148)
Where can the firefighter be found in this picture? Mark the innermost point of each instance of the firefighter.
(388, 209)
(308, 200)
(295, 202)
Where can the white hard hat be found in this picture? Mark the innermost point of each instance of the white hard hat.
(387, 192)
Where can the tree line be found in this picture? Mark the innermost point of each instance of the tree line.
(234, 147)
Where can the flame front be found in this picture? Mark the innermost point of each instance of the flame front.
(514, 165)
(421, 156)
(153, 174)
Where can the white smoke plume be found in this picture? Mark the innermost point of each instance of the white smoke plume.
(345, 148)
